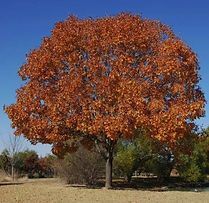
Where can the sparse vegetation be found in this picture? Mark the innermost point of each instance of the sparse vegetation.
(81, 167)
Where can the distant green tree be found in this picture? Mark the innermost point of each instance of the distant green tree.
(131, 155)
(5, 162)
(205, 132)
(161, 163)
(24, 161)
(195, 166)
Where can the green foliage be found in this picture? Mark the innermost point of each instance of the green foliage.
(193, 167)
(5, 163)
(150, 156)
(127, 160)
(131, 155)
(206, 132)
(27, 163)
(160, 164)
(23, 162)
(143, 154)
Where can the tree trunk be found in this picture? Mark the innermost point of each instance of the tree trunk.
(128, 178)
(107, 154)
(109, 160)
(108, 180)
(13, 173)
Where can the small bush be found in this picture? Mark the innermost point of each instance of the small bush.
(126, 162)
(160, 165)
(81, 167)
(191, 169)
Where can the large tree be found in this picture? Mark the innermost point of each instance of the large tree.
(97, 80)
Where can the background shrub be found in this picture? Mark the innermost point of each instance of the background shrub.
(80, 167)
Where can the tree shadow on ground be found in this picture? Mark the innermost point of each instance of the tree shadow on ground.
(10, 183)
(150, 184)
(155, 184)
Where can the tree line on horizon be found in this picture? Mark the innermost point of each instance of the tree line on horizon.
(26, 163)
(141, 155)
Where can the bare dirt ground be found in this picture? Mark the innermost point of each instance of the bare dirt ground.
(52, 190)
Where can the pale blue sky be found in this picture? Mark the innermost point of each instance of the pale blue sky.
(24, 23)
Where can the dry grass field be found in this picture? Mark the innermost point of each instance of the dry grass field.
(51, 190)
